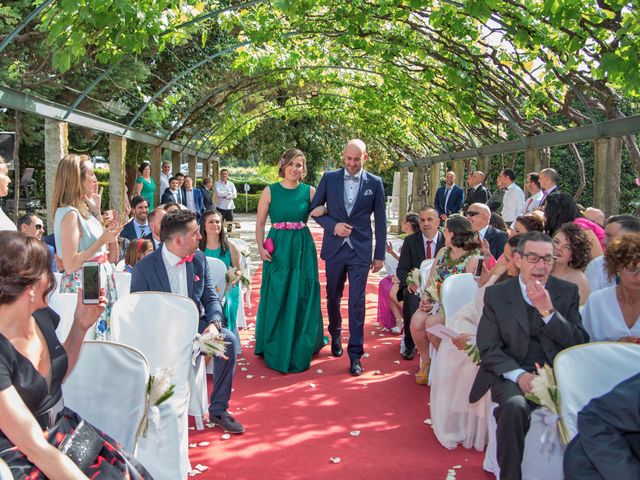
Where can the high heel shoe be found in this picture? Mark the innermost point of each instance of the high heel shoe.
(422, 377)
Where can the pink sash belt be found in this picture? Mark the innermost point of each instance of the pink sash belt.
(288, 225)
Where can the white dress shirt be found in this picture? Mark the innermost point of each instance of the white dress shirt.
(164, 182)
(483, 232)
(434, 241)
(533, 202)
(351, 188)
(597, 275)
(512, 203)
(225, 193)
(191, 203)
(513, 374)
(142, 229)
(177, 273)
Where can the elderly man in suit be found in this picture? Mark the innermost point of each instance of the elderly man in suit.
(350, 195)
(417, 247)
(525, 322)
(179, 267)
(479, 215)
(477, 192)
(449, 197)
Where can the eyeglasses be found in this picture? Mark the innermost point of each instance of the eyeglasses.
(535, 258)
(39, 227)
(471, 213)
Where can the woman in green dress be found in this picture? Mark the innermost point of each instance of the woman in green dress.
(214, 243)
(145, 186)
(289, 323)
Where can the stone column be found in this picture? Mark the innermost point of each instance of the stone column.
(535, 159)
(56, 146)
(606, 175)
(483, 164)
(117, 154)
(156, 168)
(434, 181)
(420, 188)
(206, 168)
(458, 169)
(403, 199)
(176, 162)
(216, 170)
(193, 166)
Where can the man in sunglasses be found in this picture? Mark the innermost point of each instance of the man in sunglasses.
(32, 226)
(479, 215)
(526, 321)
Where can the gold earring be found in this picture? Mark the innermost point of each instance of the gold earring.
(33, 296)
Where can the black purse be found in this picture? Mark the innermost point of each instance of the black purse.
(82, 446)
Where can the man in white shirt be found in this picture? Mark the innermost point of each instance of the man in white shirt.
(225, 193)
(533, 188)
(513, 201)
(165, 175)
(596, 272)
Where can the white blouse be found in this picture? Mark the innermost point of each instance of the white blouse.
(603, 320)
(6, 223)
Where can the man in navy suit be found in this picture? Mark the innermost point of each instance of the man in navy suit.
(350, 195)
(179, 267)
(479, 215)
(449, 197)
(192, 197)
(139, 226)
(173, 194)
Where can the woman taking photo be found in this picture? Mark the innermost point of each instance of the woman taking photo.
(289, 322)
(459, 255)
(145, 185)
(33, 366)
(214, 243)
(613, 313)
(80, 236)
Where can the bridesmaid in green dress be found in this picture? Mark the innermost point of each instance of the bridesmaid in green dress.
(214, 243)
(289, 323)
(145, 186)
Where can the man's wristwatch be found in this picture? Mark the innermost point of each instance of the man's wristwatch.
(546, 313)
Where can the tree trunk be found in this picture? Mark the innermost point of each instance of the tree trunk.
(580, 162)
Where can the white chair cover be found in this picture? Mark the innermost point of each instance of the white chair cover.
(120, 266)
(425, 270)
(114, 399)
(588, 371)
(5, 472)
(218, 272)
(457, 291)
(163, 327)
(123, 283)
(64, 304)
(390, 263)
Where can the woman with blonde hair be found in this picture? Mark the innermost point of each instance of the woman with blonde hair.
(79, 232)
(289, 321)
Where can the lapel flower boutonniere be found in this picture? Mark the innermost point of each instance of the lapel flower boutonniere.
(196, 278)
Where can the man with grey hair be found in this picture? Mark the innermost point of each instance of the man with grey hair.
(477, 192)
(596, 272)
(479, 215)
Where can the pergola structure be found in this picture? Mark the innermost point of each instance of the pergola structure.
(429, 81)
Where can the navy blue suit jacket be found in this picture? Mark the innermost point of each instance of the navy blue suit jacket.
(456, 199)
(370, 199)
(150, 275)
(197, 200)
(129, 231)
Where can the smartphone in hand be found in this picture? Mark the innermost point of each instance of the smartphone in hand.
(90, 283)
(478, 270)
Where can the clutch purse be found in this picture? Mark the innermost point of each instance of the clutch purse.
(82, 446)
(268, 245)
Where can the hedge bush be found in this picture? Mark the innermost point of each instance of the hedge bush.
(252, 203)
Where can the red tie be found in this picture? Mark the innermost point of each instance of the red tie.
(187, 259)
(428, 249)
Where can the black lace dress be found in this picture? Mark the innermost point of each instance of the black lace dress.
(40, 394)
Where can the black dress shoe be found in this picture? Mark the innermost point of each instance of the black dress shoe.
(356, 368)
(336, 347)
(409, 354)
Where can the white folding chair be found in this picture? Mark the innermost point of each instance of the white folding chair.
(163, 327)
(456, 292)
(5, 472)
(588, 371)
(123, 283)
(425, 271)
(120, 266)
(64, 304)
(219, 273)
(112, 398)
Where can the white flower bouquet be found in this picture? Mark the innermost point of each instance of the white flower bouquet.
(545, 392)
(159, 390)
(212, 344)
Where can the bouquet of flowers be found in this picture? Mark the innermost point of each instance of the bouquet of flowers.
(472, 351)
(414, 279)
(545, 392)
(159, 389)
(211, 343)
(234, 276)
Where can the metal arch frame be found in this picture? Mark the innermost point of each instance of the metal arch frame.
(24, 23)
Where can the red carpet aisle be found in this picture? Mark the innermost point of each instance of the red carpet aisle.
(297, 423)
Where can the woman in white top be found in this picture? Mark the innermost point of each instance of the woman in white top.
(613, 314)
(5, 222)
(79, 233)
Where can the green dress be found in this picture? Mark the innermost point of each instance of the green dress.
(233, 295)
(148, 189)
(289, 322)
